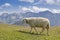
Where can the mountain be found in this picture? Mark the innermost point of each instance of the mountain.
(9, 18)
(53, 17)
(16, 19)
(46, 14)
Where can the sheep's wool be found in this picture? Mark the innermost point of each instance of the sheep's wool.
(37, 21)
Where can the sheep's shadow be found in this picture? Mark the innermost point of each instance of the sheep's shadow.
(29, 32)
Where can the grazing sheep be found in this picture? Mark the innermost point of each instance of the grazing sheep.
(34, 22)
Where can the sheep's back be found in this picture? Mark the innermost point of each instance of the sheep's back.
(39, 22)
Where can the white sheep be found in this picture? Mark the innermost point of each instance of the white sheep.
(34, 22)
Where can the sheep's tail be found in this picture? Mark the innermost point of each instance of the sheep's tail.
(48, 27)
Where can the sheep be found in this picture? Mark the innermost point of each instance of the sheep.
(41, 22)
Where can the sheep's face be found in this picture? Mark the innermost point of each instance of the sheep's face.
(26, 20)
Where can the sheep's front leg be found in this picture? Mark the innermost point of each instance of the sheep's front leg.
(31, 29)
(42, 30)
(35, 30)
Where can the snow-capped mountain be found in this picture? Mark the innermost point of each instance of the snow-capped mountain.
(15, 18)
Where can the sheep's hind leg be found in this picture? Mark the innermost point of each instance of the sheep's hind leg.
(35, 30)
(48, 32)
(47, 29)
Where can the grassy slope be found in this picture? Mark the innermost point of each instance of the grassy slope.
(12, 32)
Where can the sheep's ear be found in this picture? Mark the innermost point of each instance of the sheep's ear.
(23, 21)
(26, 21)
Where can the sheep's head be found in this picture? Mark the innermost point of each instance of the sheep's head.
(24, 21)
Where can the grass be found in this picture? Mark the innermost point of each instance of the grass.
(13, 32)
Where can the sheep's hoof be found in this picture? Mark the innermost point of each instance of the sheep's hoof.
(48, 35)
(36, 33)
(30, 32)
(40, 33)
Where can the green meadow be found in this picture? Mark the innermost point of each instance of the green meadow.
(14, 32)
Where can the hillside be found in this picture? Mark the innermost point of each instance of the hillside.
(13, 32)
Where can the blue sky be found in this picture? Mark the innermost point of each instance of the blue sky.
(29, 5)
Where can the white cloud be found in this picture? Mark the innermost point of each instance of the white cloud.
(58, 2)
(55, 2)
(5, 5)
(55, 10)
(13, 17)
(30, 1)
(50, 2)
(25, 9)
(9, 12)
(36, 9)
(39, 2)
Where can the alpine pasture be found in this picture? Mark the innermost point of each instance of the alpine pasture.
(13, 32)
